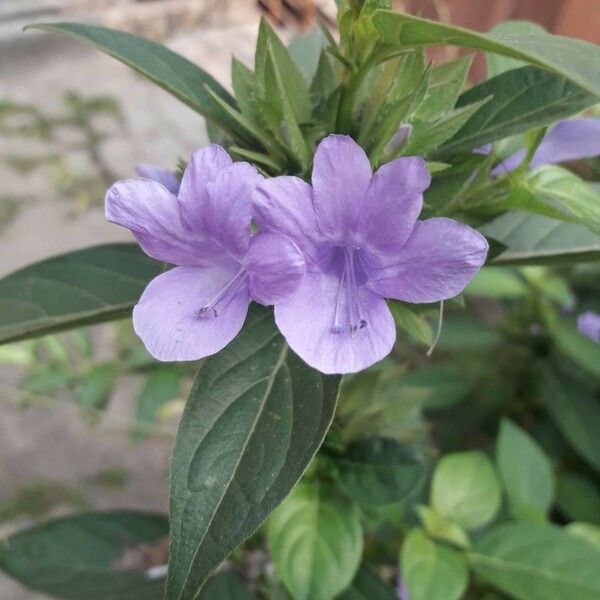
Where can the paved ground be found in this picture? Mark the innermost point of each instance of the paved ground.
(51, 443)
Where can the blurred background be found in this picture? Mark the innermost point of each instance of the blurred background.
(78, 426)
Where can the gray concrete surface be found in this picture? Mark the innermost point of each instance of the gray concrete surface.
(50, 442)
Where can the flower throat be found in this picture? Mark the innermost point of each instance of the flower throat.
(348, 294)
(223, 297)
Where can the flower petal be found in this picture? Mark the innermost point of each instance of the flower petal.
(151, 212)
(572, 139)
(392, 204)
(306, 321)
(284, 204)
(275, 266)
(163, 176)
(437, 262)
(167, 319)
(228, 207)
(203, 167)
(340, 178)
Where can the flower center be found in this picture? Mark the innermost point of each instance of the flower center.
(224, 296)
(348, 297)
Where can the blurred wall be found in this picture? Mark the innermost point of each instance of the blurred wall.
(576, 18)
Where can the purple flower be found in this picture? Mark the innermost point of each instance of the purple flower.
(164, 176)
(198, 307)
(401, 590)
(588, 324)
(572, 139)
(362, 243)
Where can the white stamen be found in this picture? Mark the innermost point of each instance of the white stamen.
(337, 328)
(227, 292)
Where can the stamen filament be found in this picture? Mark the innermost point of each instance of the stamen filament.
(361, 319)
(337, 328)
(348, 289)
(229, 289)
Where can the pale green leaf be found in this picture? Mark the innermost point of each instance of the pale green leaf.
(432, 571)
(575, 412)
(537, 562)
(316, 542)
(525, 471)
(440, 528)
(465, 489)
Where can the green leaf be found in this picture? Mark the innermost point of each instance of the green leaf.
(496, 63)
(441, 385)
(243, 124)
(575, 412)
(533, 239)
(403, 86)
(94, 556)
(465, 489)
(97, 284)
(286, 117)
(497, 282)
(578, 498)
(172, 72)
(442, 529)
(254, 419)
(408, 320)
(316, 542)
(323, 84)
(97, 385)
(574, 59)
(428, 136)
(466, 334)
(584, 351)
(296, 87)
(555, 192)
(225, 585)
(258, 158)
(537, 562)
(161, 386)
(445, 85)
(246, 90)
(522, 99)
(431, 571)
(585, 531)
(376, 471)
(306, 50)
(525, 471)
(367, 585)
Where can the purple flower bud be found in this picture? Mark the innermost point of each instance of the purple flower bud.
(588, 324)
(163, 176)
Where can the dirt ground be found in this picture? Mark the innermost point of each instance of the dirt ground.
(48, 443)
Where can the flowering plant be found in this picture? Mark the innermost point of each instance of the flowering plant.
(342, 202)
